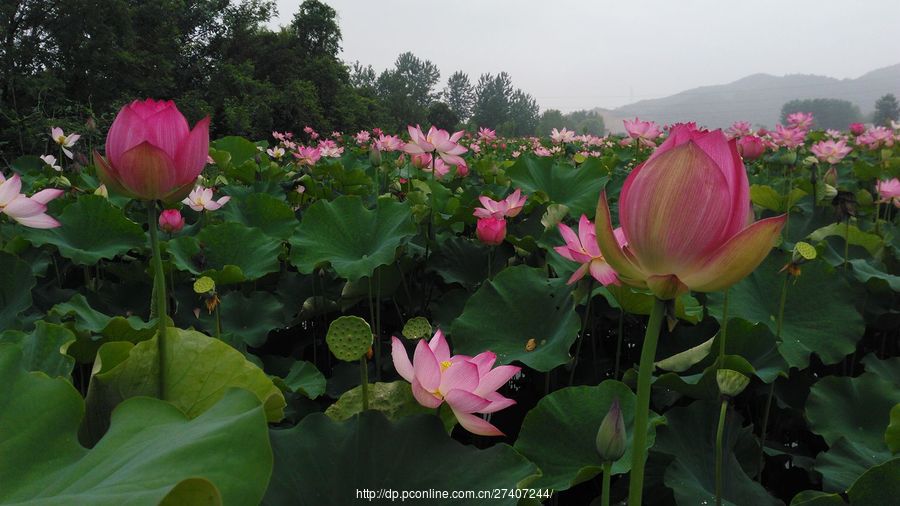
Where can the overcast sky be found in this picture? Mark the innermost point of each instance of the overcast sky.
(581, 54)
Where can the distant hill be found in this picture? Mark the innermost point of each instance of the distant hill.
(756, 98)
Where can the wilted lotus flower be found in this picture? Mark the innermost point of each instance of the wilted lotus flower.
(468, 384)
(889, 191)
(582, 248)
(28, 211)
(171, 221)
(611, 438)
(751, 147)
(686, 213)
(831, 151)
(201, 198)
(151, 153)
(64, 141)
(491, 231)
(638, 129)
(436, 141)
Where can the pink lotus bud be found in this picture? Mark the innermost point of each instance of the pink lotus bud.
(171, 221)
(421, 160)
(491, 231)
(611, 441)
(751, 147)
(857, 128)
(686, 217)
(151, 153)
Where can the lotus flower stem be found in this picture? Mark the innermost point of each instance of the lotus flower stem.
(765, 420)
(642, 407)
(364, 382)
(376, 345)
(723, 330)
(619, 338)
(720, 431)
(584, 327)
(846, 242)
(607, 474)
(159, 294)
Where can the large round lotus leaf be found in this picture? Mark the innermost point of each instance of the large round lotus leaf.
(322, 462)
(892, 434)
(227, 252)
(576, 188)
(817, 316)
(16, 282)
(817, 498)
(151, 455)
(198, 371)
(417, 328)
(464, 261)
(879, 486)
(394, 399)
(689, 436)
(349, 338)
(845, 461)
(92, 229)
(559, 433)
(352, 239)
(518, 305)
(44, 348)
(238, 149)
(263, 211)
(304, 378)
(250, 318)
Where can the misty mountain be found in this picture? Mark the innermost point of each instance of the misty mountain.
(757, 98)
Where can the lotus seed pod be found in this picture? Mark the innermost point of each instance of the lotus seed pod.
(731, 383)
(417, 328)
(349, 338)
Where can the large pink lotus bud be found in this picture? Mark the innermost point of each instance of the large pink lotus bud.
(151, 153)
(751, 147)
(685, 214)
(491, 231)
(171, 221)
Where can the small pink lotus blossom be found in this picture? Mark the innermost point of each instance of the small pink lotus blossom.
(468, 384)
(436, 141)
(283, 136)
(329, 149)
(312, 133)
(889, 191)
(857, 128)
(835, 134)
(388, 143)
(750, 147)
(476, 148)
(201, 198)
(739, 129)
(486, 134)
(876, 137)
(171, 221)
(542, 151)
(638, 129)
(509, 207)
(362, 137)
(491, 231)
(830, 151)
(50, 160)
(582, 248)
(377, 132)
(421, 160)
(308, 155)
(801, 120)
(277, 152)
(562, 136)
(27, 211)
(442, 168)
(788, 137)
(64, 141)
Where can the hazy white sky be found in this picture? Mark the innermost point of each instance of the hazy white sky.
(581, 54)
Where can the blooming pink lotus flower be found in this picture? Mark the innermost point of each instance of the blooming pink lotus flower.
(312, 133)
(65, 141)
(285, 136)
(201, 198)
(151, 154)
(751, 147)
(889, 191)
(509, 207)
(28, 211)
(686, 213)
(582, 248)
(739, 129)
(491, 231)
(788, 137)
(638, 129)
(329, 149)
(562, 136)
(857, 128)
(876, 137)
(388, 143)
(362, 137)
(50, 160)
(468, 384)
(831, 151)
(801, 120)
(486, 134)
(171, 221)
(436, 141)
(307, 155)
(421, 160)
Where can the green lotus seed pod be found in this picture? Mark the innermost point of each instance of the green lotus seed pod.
(803, 252)
(417, 328)
(611, 435)
(349, 338)
(204, 284)
(731, 383)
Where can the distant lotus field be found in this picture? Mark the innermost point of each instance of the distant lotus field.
(676, 316)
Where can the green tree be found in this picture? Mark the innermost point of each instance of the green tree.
(441, 116)
(460, 95)
(492, 98)
(827, 112)
(886, 110)
(407, 90)
(550, 119)
(523, 114)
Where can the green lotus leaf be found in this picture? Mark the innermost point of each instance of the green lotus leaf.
(44, 348)
(263, 211)
(518, 305)
(892, 434)
(198, 371)
(878, 486)
(323, 462)
(395, 400)
(228, 253)
(817, 317)
(575, 188)
(352, 239)
(559, 434)
(16, 282)
(152, 454)
(91, 229)
(817, 498)
(250, 318)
